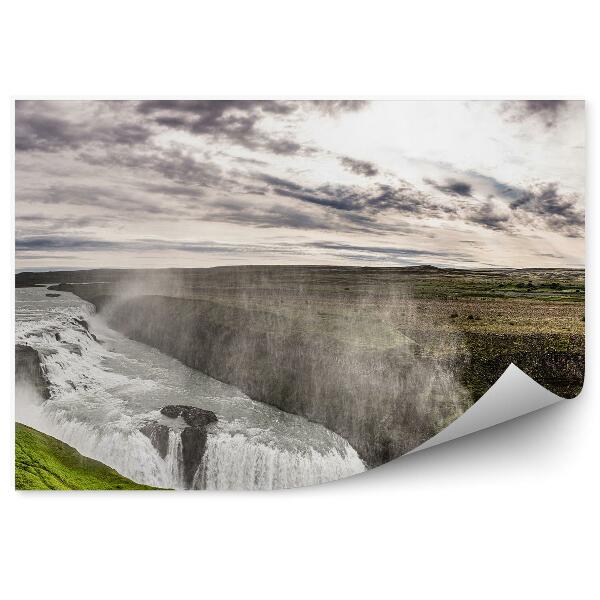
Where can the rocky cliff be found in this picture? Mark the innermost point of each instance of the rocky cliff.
(384, 402)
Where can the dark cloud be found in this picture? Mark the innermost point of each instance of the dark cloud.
(286, 147)
(237, 120)
(452, 187)
(50, 127)
(210, 111)
(336, 107)
(279, 182)
(344, 199)
(402, 198)
(466, 183)
(232, 120)
(35, 129)
(547, 112)
(561, 212)
(541, 205)
(498, 188)
(183, 168)
(492, 214)
(311, 214)
(359, 167)
(39, 132)
(172, 163)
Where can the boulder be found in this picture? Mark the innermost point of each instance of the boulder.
(28, 368)
(159, 436)
(82, 323)
(193, 437)
(193, 416)
(193, 444)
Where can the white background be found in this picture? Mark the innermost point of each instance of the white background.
(507, 513)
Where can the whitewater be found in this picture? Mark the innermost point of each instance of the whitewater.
(105, 387)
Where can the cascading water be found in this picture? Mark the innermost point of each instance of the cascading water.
(104, 388)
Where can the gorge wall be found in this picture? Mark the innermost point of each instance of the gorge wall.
(384, 402)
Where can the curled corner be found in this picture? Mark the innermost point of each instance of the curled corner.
(513, 395)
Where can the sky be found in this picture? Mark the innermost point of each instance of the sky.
(201, 183)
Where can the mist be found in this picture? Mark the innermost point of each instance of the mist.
(327, 346)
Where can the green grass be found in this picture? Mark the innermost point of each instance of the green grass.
(45, 463)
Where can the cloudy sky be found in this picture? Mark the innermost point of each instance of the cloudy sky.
(203, 183)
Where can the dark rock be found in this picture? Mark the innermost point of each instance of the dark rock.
(82, 323)
(171, 411)
(159, 436)
(57, 336)
(86, 327)
(193, 437)
(53, 295)
(193, 444)
(28, 369)
(193, 416)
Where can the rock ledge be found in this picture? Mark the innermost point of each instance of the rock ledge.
(193, 437)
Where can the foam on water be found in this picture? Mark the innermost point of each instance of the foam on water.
(103, 390)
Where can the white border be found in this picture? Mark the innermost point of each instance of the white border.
(510, 512)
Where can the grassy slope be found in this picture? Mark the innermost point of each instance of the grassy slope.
(45, 463)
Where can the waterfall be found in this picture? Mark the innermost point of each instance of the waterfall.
(232, 461)
(104, 388)
(124, 449)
